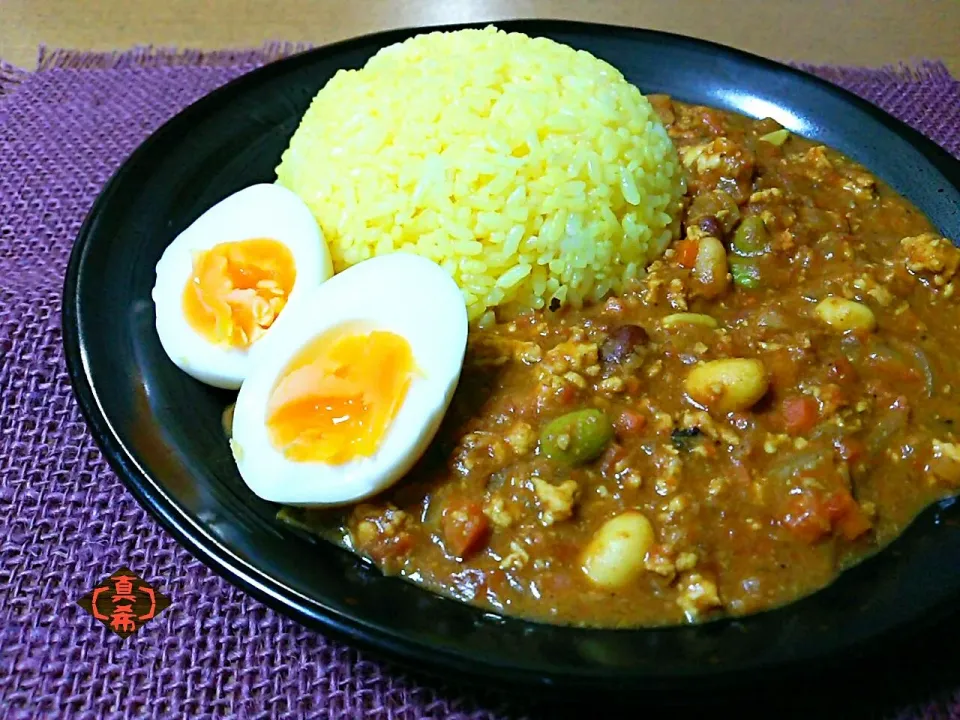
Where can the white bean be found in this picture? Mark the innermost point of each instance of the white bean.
(616, 553)
(845, 315)
(688, 319)
(727, 385)
(710, 267)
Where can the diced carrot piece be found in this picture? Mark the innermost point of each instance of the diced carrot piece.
(465, 527)
(800, 414)
(686, 251)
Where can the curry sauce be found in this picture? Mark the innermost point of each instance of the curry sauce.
(775, 400)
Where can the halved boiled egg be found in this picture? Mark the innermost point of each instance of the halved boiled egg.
(223, 282)
(351, 384)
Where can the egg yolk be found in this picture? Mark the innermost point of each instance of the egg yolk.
(338, 396)
(237, 289)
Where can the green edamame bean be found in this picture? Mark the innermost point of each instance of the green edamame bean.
(745, 274)
(577, 437)
(750, 237)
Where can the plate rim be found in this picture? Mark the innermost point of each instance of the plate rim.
(209, 550)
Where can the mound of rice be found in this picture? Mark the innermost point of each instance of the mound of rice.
(527, 169)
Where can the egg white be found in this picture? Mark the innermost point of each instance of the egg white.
(401, 293)
(259, 211)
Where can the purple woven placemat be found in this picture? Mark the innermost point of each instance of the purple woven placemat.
(66, 521)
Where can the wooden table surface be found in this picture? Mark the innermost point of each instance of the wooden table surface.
(852, 32)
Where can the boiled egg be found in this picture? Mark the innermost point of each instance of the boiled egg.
(351, 384)
(222, 283)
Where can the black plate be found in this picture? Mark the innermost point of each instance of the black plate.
(161, 431)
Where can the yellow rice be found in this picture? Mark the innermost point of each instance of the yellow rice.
(527, 169)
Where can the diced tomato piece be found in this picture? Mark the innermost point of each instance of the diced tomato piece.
(686, 251)
(810, 516)
(629, 423)
(800, 414)
(845, 515)
(842, 370)
(804, 516)
(838, 504)
(465, 527)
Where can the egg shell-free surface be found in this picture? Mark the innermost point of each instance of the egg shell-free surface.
(400, 293)
(259, 211)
